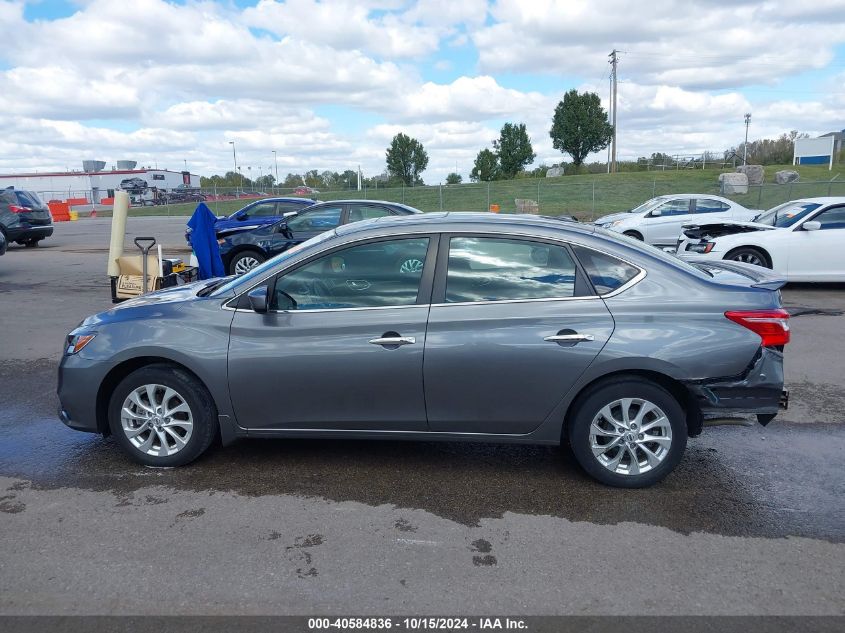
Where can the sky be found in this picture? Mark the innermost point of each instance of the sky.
(328, 84)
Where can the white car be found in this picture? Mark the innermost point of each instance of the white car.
(659, 220)
(804, 240)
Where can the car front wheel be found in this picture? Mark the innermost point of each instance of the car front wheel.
(162, 416)
(749, 255)
(628, 432)
(245, 261)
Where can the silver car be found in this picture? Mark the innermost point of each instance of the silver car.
(469, 327)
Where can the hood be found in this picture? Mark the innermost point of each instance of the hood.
(151, 304)
(613, 217)
(718, 229)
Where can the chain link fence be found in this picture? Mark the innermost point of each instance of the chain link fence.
(549, 196)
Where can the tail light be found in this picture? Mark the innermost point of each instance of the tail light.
(771, 325)
(16, 209)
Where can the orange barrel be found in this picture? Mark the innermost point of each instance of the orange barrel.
(494, 208)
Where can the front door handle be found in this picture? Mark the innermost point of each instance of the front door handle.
(393, 340)
(569, 338)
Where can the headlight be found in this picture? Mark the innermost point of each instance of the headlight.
(608, 225)
(76, 340)
(701, 247)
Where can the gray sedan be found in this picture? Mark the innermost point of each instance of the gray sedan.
(441, 327)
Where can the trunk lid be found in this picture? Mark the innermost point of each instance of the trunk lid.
(38, 213)
(739, 273)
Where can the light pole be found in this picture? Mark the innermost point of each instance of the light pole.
(235, 162)
(745, 146)
(276, 163)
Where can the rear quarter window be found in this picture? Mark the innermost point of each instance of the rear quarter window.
(607, 273)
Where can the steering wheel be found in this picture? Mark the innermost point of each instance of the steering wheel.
(319, 292)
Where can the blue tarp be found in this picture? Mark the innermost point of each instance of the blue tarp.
(204, 243)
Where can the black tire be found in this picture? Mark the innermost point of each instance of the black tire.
(31, 243)
(588, 406)
(634, 234)
(243, 255)
(194, 394)
(749, 255)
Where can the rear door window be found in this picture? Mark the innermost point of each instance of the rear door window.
(606, 272)
(28, 199)
(497, 269)
(358, 212)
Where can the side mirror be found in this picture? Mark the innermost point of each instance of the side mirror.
(811, 225)
(258, 299)
(656, 213)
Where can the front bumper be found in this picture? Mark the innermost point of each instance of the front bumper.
(759, 390)
(78, 383)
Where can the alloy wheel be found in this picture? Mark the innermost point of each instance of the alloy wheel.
(411, 266)
(245, 264)
(630, 436)
(157, 420)
(749, 258)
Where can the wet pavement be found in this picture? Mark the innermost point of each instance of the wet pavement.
(752, 521)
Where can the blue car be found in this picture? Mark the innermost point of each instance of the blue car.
(243, 251)
(257, 214)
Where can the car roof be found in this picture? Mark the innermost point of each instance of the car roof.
(822, 200)
(442, 221)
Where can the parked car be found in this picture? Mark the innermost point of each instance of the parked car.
(256, 214)
(24, 218)
(135, 185)
(185, 193)
(242, 252)
(304, 191)
(802, 240)
(516, 329)
(659, 220)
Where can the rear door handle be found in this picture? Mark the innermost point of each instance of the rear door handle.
(569, 338)
(393, 340)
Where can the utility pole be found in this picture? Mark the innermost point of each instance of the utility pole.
(235, 162)
(276, 163)
(610, 110)
(745, 146)
(613, 61)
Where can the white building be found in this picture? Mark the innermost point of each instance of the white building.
(96, 185)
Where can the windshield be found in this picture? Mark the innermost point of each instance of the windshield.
(648, 204)
(259, 271)
(786, 214)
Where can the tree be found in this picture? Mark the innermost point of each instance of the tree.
(579, 126)
(514, 149)
(292, 181)
(406, 159)
(453, 179)
(349, 179)
(486, 166)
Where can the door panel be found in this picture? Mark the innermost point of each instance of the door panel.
(819, 255)
(488, 368)
(317, 370)
(664, 229)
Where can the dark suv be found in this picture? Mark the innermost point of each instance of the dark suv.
(23, 217)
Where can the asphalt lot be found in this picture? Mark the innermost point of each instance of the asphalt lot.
(752, 522)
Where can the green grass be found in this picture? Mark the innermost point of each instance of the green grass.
(585, 196)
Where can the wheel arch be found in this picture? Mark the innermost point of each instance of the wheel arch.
(634, 233)
(120, 371)
(675, 387)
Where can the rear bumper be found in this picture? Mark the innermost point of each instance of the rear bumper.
(759, 390)
(29, 232)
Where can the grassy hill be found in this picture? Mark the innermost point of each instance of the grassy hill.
(585, 196)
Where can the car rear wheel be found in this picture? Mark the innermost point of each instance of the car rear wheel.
(31, 243)
(245, 261)
(628, 432)
(162, 416)
(749, 255)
